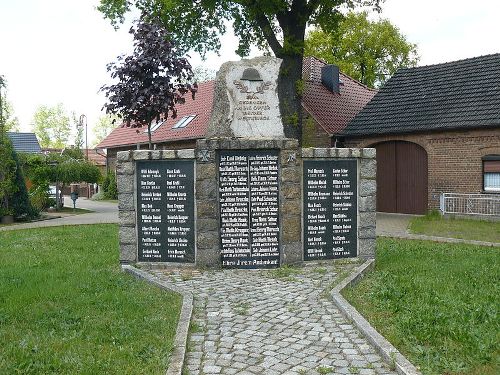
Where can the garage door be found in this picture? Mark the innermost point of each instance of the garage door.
(401, 177)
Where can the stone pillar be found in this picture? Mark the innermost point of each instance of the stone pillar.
(367, 203)
(291, 203)
(125, 181)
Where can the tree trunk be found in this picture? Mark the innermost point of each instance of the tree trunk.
(149, 136)
(289, 93)
(58, 196)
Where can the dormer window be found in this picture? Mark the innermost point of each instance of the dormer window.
(183, 122)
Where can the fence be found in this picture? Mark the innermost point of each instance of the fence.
(470, 204)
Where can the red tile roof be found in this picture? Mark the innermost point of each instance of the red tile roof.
(201, 106)
(331, 110)
(96, 157)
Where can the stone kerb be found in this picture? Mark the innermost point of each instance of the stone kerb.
(127, 190)
(208, 236)
(367, 189)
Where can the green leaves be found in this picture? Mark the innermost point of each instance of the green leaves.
(367, 51)
(42, 169)
(52, 126)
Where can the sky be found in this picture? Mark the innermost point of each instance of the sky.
(56, 51)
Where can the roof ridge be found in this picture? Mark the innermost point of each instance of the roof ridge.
(450, 62)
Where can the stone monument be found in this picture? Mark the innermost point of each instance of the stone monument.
(246, 196)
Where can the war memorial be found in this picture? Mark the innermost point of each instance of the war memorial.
(246, 197)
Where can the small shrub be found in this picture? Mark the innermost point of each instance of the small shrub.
(109, 186)
(39, 197)
(98, 196)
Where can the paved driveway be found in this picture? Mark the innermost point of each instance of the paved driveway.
(393, 224)
(104, 212)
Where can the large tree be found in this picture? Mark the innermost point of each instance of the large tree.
(278, 25)
(52, 126)
(369, 51)
(151, 81)
(8, 121)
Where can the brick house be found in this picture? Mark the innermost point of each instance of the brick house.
(330, 100)
(436, 130)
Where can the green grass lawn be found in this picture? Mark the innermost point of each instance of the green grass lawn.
(66, 308)
(435, 225)
(437, 303)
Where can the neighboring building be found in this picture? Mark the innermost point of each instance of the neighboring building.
(330, 100)
(25, 142)
(436, 130)
(182, 132)
(97, 158)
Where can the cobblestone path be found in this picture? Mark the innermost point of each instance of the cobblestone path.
(272, 322)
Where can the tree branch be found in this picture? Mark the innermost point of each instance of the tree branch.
(268, 32)
(311, 6)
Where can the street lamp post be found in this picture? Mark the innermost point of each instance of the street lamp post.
(83, 117)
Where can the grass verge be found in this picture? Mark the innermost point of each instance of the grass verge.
(74, 211)
(66, 307)
(437, 303)
(435, 225)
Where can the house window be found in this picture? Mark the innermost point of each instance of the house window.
(155, 125)
(491, 173)
(183, 122)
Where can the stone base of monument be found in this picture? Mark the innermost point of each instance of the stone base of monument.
(242, 202)
(245, 203)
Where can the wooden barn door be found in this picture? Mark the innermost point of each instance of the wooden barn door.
(401, 178)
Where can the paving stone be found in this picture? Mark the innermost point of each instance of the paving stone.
(252, 323)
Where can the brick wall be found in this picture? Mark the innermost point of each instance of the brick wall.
(454, 158)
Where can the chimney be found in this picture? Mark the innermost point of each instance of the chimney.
(330, 78)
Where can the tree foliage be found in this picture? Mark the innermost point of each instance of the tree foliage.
(7, 173)
(14, 199)
(20, 202)
(110, 190)
(278, 25)
(203, 74)
(151, 80)
(79, 136)
(8, 121)
(52, 126)
(54, 168)
(369, 51)
(105, 125)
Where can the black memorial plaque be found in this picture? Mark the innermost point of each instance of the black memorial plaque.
(330, 209)
(249, 208)
(165, 211)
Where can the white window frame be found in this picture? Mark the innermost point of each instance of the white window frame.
(490, 189)
(155, 125)
(183, 122)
